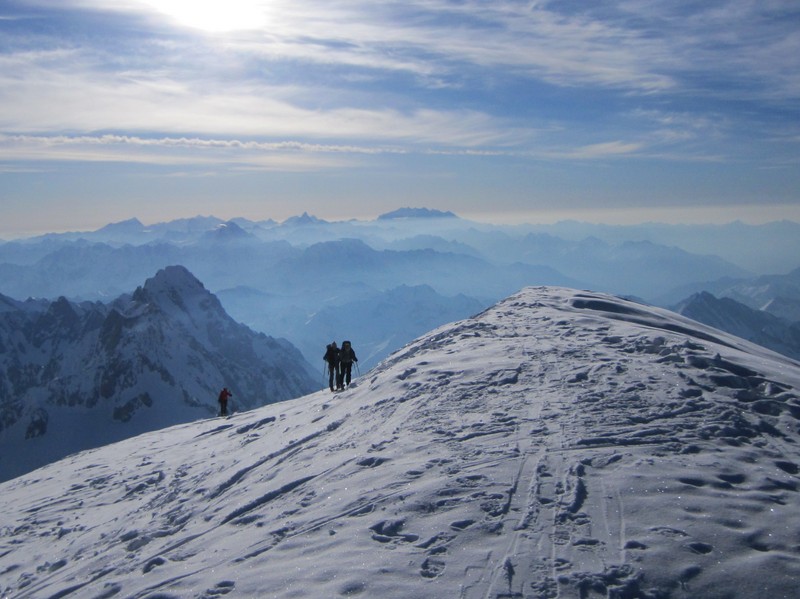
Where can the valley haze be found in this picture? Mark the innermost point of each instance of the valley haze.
(386, 281)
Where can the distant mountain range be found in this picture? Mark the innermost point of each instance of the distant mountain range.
(763, 249)
(764, 310)
(758, 326)
(777, 294)
(312, 280)
(80, 375)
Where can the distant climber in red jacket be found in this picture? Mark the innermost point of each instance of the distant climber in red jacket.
(223, 401)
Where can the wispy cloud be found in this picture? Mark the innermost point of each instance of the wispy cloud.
(39, 99)
(186, 151)
(294, 76)
(633, 44)
(438, 40)
(610, 149)
(222, 154)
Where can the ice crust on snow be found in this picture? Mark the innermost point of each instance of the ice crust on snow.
(560, 444)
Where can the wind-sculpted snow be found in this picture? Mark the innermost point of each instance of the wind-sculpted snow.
(559, 445)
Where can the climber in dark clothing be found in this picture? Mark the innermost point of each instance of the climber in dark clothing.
(332, 358)
(346, 358)
(223, 401)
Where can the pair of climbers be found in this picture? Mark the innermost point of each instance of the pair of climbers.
(340, 367)
(340, 364)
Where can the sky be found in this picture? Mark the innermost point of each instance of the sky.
(503, 111)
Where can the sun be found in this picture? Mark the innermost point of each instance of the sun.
(215, 16)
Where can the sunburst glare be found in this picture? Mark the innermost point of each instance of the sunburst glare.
(214, 16)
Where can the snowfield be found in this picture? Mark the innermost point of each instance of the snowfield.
(562, 444)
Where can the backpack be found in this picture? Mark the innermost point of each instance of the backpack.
(346, 352)
(331, 353)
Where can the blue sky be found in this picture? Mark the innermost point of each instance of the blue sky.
(500, 110)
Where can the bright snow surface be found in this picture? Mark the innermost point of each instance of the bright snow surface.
(560, 444)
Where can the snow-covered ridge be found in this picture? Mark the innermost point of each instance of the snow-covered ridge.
(560, 444)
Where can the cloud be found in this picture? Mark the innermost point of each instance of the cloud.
(608, 149)
(223, 154)
(751, 49)
(226, 154)
(634, 45)
(38, 97)
(435, 76)
(436, 41)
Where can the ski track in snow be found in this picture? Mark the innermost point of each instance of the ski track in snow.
(559, 445)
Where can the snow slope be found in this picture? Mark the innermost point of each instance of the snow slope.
(560, 444)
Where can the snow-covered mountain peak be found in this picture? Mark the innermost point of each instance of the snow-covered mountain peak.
(74, 376)
(227, 232)
(561, 444)
(176, 278)
(418, 213)
(303, 220)
(176, 291)
(131, 225)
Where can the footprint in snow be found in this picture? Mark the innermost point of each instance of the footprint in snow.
(220, 589)
(388, 531)
(432, 567)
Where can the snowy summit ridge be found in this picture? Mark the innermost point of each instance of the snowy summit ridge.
(561, 444)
